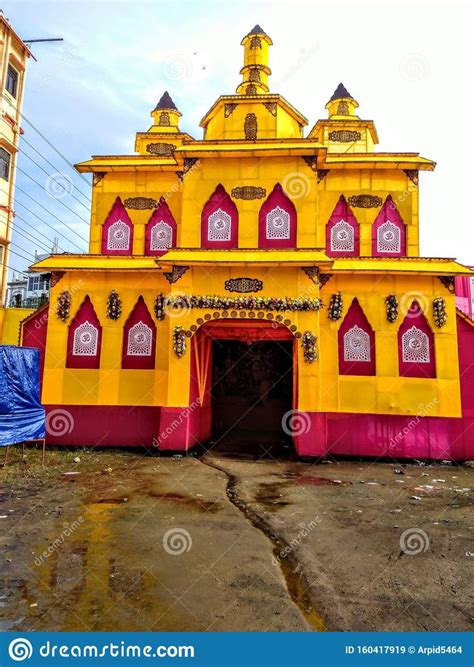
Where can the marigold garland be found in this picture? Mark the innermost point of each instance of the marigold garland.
(63, 305)
(114, 305)
(392, 307)
(159, 307)
(243, 303)
(308, 342)
(335, 307)
(179, 341)
(439, 311)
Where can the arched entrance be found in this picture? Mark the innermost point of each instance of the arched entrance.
(245, 374)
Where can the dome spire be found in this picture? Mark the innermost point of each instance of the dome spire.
(341, 103)
(255, 71)
(166, 115)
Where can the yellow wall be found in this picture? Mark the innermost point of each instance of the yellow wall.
(314, 201)
(321, 388)
(10, 319)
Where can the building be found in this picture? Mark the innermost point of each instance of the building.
(14, 55)
(257, 282)
(29, 289)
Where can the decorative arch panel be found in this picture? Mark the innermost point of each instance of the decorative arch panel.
(84, 338)
(342, 232)
(117, 231)
(416, 351)
(277, 221)
(219, 221)
(356, 343)
(389, 232)
(160, 230)
(139, 338)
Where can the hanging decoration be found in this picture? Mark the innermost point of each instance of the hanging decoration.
(439, 311)
(179, 341)
(63, 305)
(209, 302)
(308, 342)
(335, 307)
(159, 307)
(114, 305)
(391, 303)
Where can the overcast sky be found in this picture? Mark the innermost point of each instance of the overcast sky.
(409, 65)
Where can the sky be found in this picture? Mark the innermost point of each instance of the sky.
(409, 65)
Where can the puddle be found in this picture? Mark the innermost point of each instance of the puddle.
(197, 503)
(308, 480)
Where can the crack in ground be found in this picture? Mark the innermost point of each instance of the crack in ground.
(291, 569)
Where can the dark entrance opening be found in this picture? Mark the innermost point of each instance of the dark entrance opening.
(252, 389)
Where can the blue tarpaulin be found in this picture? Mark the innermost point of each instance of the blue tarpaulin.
(22, 416)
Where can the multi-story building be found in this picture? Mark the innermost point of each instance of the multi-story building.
(14, 55)
(258, 282)
(28, 289)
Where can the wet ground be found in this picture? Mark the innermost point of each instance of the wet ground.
(127, 541)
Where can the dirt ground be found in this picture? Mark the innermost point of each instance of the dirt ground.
(127, 541)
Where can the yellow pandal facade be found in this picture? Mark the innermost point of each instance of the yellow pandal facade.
(256, 284)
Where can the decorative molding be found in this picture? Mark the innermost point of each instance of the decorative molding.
(321, 174)
(243, 285)
(175, 274)
(229, 109)
(391, 304)
(248, 192)
(140, 203)
(164, 120)
(311, 161)
(189, 163)
(63, 305)
(251, 89)
(250, 127)
(365, 201)
(439, 311)
(97, 176)
(308, 343)
(316, 276)
(255, 42)
(344, 136)
(271, 107)
(162, 149)
(243, 303)
(254, 75)
(56, 277)
(342, 108)
(448, 282)
(412, 175)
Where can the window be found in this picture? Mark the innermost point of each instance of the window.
(139, 339)
(356, 343)
(416, 351)
(389, 232)
(84, 338)
(4, 164)
(342, 231)
(219, 221)
(12, 81)
(277, 221)
(117, 231)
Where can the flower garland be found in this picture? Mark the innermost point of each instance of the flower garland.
(210, 302)
(114, 305)
(439, 311)
(179, 341)
(159, 307)
(63, 305)
(392, 307)
(335, 307)
(308, 342)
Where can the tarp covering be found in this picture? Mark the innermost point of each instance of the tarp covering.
(22, 416)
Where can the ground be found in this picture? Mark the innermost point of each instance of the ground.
(134, 541)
